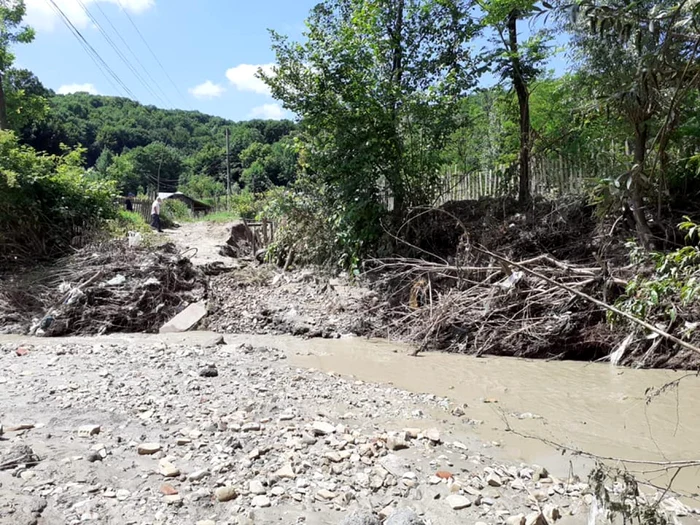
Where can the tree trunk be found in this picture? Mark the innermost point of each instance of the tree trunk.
(521, 89)
(636, 200)
(4, 125)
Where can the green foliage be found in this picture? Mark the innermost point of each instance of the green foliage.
(377, 106)
(173, 210)
(125, 222)
(245, 205)
(202, 187)
(671, 293)
(47, 203)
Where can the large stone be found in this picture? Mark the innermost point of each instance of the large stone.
(321, 428)
(147, 449)
(223, 494)
(457, 502)
(433, 435)
(360, 518)
(186, 319)
(494, 480)
(286, 472)
(535, 518)
(256, 487)
(516, 520)
(260, 502)
(404, 517)
(168, 470)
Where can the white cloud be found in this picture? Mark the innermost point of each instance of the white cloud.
(207, 90)
(76, 88)
(243, 76)
(268, 111)
(42, 16)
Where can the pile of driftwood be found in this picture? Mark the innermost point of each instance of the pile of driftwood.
(112, 288)
(497, 307)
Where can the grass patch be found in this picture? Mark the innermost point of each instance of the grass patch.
(221, 216)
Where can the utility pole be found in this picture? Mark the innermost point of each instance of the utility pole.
(228, 171)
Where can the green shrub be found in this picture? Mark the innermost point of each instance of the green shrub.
(47, 203)
(174, 210)
(127, 221)
(245, 205)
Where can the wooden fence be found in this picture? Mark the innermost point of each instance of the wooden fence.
(550, 177)
(141, 206)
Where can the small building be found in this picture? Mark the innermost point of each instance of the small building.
(197, 207)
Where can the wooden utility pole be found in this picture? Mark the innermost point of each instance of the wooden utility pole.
(228, 171)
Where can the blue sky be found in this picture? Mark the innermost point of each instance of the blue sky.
(210, 49)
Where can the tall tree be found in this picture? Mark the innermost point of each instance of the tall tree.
(643, 60)
(11, 32)
(519, 63)
(376, 84)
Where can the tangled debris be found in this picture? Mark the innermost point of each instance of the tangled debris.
(111, 289)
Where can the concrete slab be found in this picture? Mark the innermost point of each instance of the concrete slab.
(186, 319)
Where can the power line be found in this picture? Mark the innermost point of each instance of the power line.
(118, 51)
(143, 39)
(135, 56)
(91, 50)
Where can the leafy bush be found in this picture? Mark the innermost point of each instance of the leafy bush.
(671, 291)
(245, 205)
(47, 202)
(128, 221)
(173, 210)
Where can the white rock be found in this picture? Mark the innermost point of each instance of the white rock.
(146, 449)
(251, 427)
(286, 472)
(321, 428)
(122, 494)
(256, 487)
(167, 469)
(199, 475)
(457, 502)
(84, 431)
(223, 494)
(516, 520)
(433, 435)
(260, 501)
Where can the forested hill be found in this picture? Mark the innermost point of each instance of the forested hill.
(184, 144)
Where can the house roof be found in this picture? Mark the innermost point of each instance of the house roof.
(166, 195)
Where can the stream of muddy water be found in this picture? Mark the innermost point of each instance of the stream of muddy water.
(596, 408)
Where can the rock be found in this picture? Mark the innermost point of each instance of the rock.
(540, 473)
(147, 449)
(321, 428)
(433, 435)
(93, 456)
(168, 470)
(516, 520)
(535, 518)
(443, 474)
(552, 513)
(457, 502)
(251, 427)
(256, 487)
(198, 475)
(89, 430)
(277, 491)
(168, 490)
(209, 371)
(260, 502)
(186, 319)
(205, 522)
(286, 472)
(494, 480)
(360, 518)
(21, 352)
(396, 444)
(404, 517)
(223, 494)
(123, 494)
(174, 500)
(325, 495)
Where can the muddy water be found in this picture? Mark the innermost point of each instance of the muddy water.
(593, 407)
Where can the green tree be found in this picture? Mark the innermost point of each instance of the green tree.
(158, 167)
(520, 63)
(11, 32)
(642, 60)
(26, 99)
(376, 85)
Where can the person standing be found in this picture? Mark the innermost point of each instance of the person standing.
(129, 204)
(155, 214)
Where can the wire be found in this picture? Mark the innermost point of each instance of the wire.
(91, 51)
(118, 51)
(135, 56)
(143, 39)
